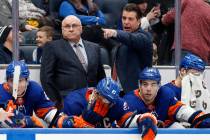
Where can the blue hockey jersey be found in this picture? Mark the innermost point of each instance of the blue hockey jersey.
(77, 101)
(177, 90)
(164, 107)
(34, 99)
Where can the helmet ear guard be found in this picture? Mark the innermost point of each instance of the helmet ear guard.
(108, 89)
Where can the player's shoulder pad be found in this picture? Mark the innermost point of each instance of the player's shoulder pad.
(34, 87)
(166, 92)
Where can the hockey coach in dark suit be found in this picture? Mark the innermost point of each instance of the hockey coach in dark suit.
(70, 63)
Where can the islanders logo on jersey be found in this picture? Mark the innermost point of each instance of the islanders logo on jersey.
(125, 106)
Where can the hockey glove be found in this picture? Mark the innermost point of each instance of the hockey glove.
(5, 118)
(101, 108)
(147, 124)
(96, 113)
(21, 121)
(72, 122)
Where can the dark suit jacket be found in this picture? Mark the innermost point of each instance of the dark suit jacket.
(131, 56)
(61, 70)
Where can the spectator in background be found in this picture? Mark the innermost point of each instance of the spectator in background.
(29, 13)
(155, 55)
(112, 11)
(70, 63)
(43, 35)
(86, 10)
(6, 46)
(31, 18)
(150, 18)
(195, 28)
(51, 7)
(164, 36)
(134, 49)
(27, 29)
(6, 15)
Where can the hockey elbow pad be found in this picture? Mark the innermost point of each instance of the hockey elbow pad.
(147, 125)
(201, 120)
(36, 122)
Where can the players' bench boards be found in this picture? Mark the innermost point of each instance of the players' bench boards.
(100, 134)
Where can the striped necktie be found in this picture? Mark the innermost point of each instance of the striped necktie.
(80, 55)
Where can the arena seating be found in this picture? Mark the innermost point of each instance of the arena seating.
(28, 51)
(111, 10)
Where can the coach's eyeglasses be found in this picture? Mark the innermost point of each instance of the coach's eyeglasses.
(71, 26)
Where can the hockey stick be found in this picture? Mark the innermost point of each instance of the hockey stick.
(16, 78)
(54, 119)
(91, 99)
(107, 70)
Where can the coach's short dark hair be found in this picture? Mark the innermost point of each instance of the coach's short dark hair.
(131, 7)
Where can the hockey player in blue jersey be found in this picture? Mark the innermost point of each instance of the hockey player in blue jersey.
(189, 86)
(162, 102)
(30, 98)
(189, 64)
(101, 106)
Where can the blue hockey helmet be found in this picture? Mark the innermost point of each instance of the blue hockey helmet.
(109, 89)
(24, 71)
(191, 61)
(150, 73)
